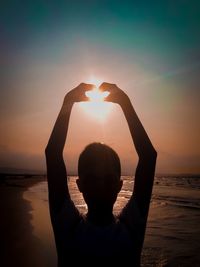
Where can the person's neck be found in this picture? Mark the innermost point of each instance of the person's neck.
(100, 217)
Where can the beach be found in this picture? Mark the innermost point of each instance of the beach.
(172, 235)
(19, 247)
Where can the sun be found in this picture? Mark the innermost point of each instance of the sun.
(96, 106)
(94, 80)
(96, 95)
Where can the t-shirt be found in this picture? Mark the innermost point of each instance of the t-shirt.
(80, 241)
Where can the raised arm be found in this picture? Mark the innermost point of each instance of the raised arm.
(56, 171)
(145, 170)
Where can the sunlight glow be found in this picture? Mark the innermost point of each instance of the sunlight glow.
(97, 110)
(96, 107)
(94, 80)
(96, 95)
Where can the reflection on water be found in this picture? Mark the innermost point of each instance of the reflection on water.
(173, 232)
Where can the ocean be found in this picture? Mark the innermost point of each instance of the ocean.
(173, 227)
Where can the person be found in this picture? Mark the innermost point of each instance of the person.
(99, 237)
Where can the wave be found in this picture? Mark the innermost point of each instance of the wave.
(182, 192)
(177, 201)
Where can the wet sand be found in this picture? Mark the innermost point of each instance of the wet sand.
(19, 247)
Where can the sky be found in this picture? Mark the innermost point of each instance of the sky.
(150, 49)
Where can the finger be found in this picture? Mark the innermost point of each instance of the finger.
(86, 86)
(110, 98)
(84, 98)
(107, 86)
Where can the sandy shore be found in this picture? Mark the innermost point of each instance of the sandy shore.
(18, 244)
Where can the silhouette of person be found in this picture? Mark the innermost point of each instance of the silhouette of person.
(99, 237)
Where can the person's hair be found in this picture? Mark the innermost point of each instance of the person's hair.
(98, 159)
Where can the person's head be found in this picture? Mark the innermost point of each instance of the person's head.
(99, 172)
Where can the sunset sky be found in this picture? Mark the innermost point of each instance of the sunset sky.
(150, 49)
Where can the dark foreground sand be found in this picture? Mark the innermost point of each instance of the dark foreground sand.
(18, 243)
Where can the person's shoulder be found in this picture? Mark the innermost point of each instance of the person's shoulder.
(131, 217)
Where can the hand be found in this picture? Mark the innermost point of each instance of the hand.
(78, 94)
(116, 94)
